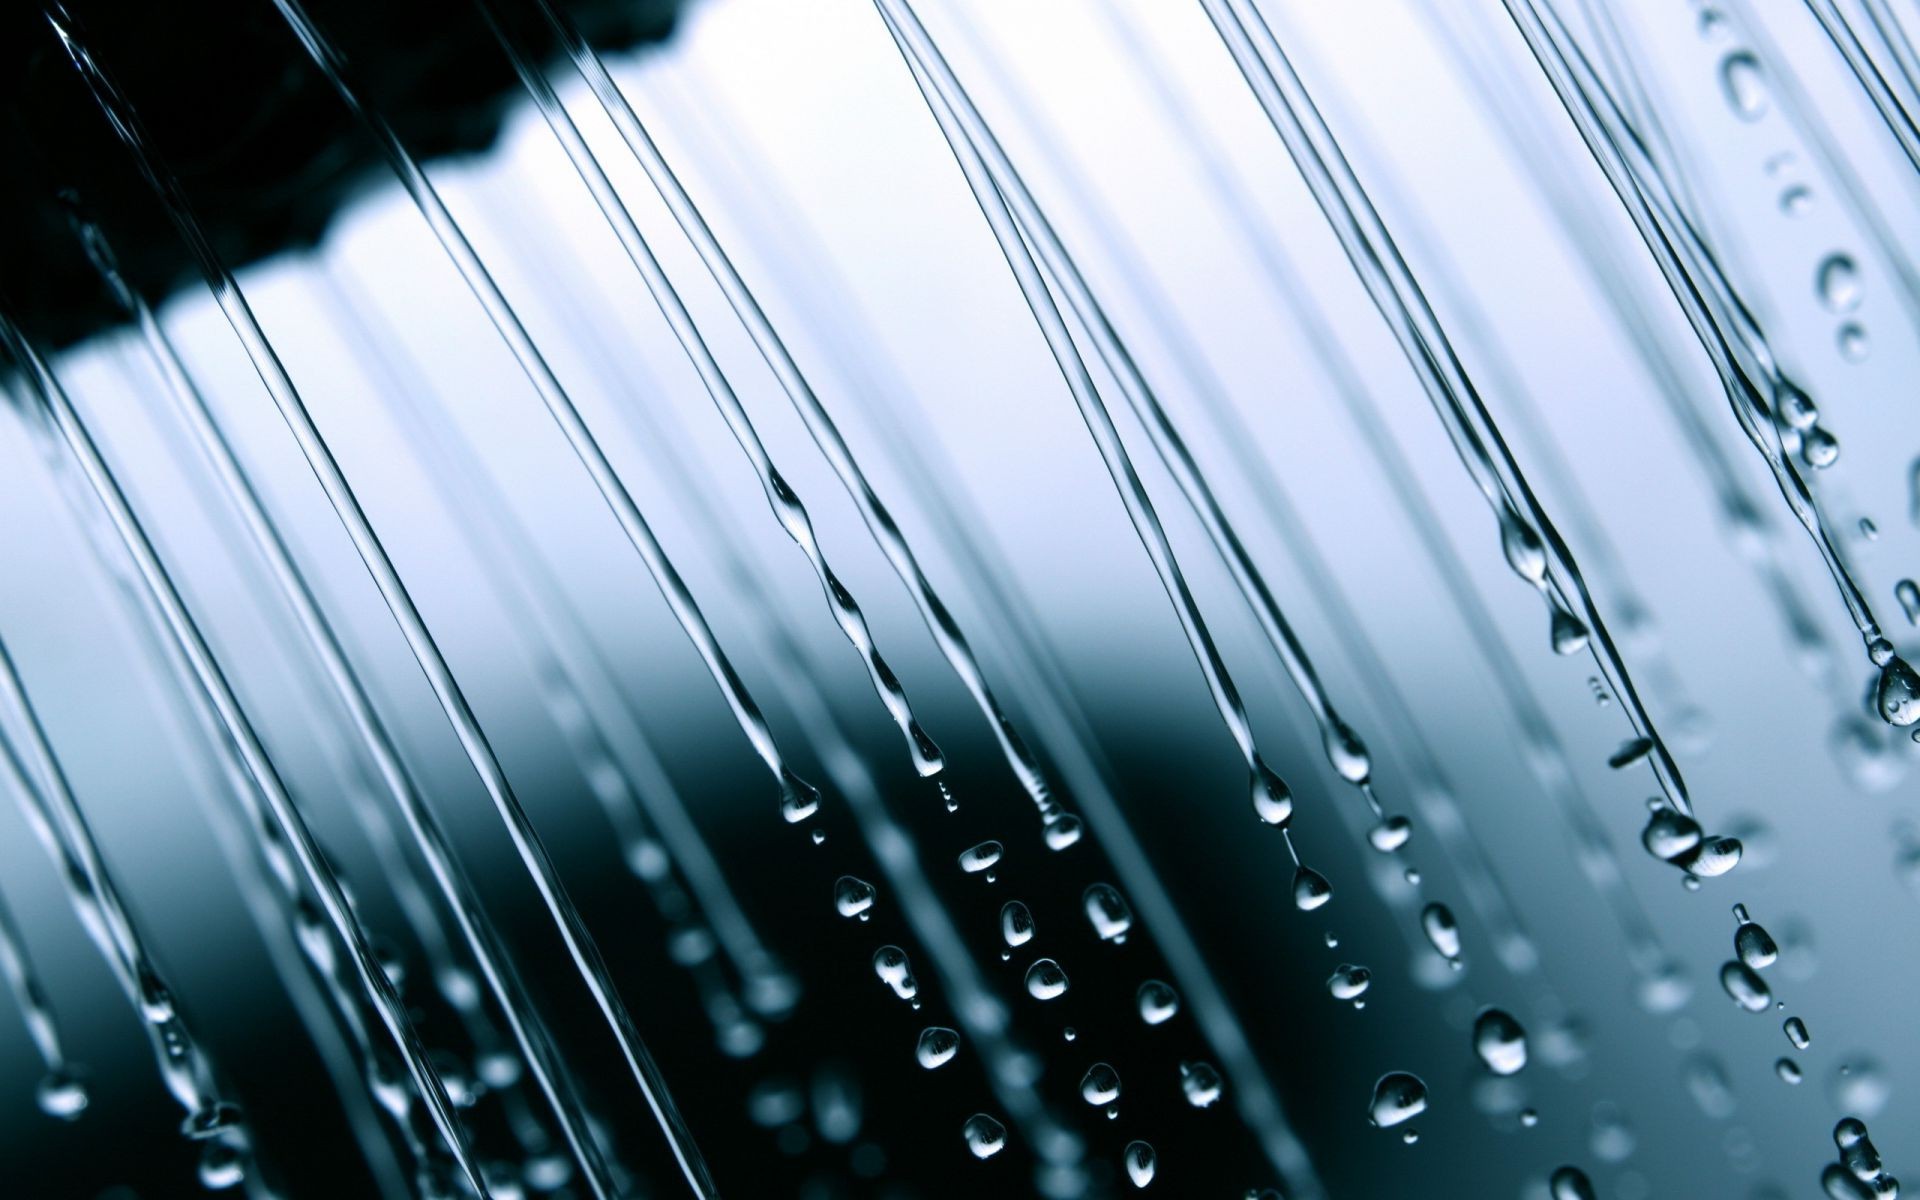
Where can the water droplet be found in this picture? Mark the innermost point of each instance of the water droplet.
(1062, 830)
(1201, 1084)
(1397, 1097)
(819, 836)
(1567, 632)
(1330, 939)
(1837, 280)
(1751, 943)
(1669, 835)
(852, 897)
(1141, 1162)
(1390, 834)
(1796, 200)
(1016, 924)
(1100, 1085)
(1796, 1031)
(1271, 798)
(1571, 1183)
(222, 1165)
(1346, 752)
(1898, 696)
(61, 1094)
(1108, 912)
(1746, 988)
(1529, 1117)
(1046, 980)
(1853, 342)
(1788, 1071)
(1820, 449)
(1630, 752)
(1310, 889)
(1349, 982)
(985, 1136)
(891, 965)
(1068, 1034)
(937, 1046)
(1745, 88)
(1412, 876)
(1437, 920)
(1410, 1137)
(1500, 1042)
(982, 857)
(1157, 1001)
(1868, 530)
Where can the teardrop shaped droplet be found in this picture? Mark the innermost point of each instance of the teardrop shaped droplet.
(1100, 1085)
(1062, 830)
(1046, 980)
(937, 1046)
(1310, 889)
(1752, 944)
(1347, 752)
(852, 897)
(985, 1136)
(1441, 930)
(1567, 632)
(1272, 800)
(1669, 835)
(1141, 1163)
(1397, 1097)
(1898, 696)
(891, 965)
(1390, 834)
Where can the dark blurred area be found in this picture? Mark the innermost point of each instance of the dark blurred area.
(263, 145)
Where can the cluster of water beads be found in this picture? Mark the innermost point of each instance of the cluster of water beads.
(1676, 838)
(1859, 1175)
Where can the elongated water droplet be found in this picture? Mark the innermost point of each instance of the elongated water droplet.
(1016, 924)
(1272, 800)
(61, 1094)
(1347, 752)
(936, 1047)
(1567, 632)
(891, 965)
(1397, 1097)
(1630, 752)
(985, 1136)
(1062, 829)
(982, 857)
(1908, 594)
(1571, 1183)
(1157, 1002)
(1141, 1163)
(1788, 1071)
(1046, 980)
(1500, 1042)
(1752, 944)
(1837, 281)
(1796, 1031)
(1310, 889)
(1746, 988)
(853, 897)
(1100, 1085)
(1669, 835)
(1200, 1083)
(1442, 931)
(1108, 912)
(1349, 982)
(1743, 85)
(1820, 449)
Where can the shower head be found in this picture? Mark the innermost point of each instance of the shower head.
(262, 144)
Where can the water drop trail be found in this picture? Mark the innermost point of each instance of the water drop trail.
(216, 692)
(1345, 751)
(343, 681)
(62, 1091)
(1037, 679)
(966, 135)
(786, 504)
(1766, 403)
(1750, 531)
(1369, 246)
(886, 533)
(575, 682)
(1546, 757)
(1902, 121)
(321, 990)
(1429, 787)
(794, 669)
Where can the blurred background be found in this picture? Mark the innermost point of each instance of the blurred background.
(788, 1047)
